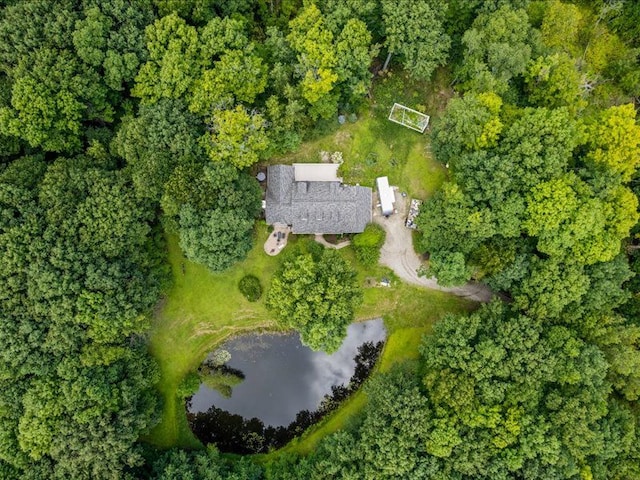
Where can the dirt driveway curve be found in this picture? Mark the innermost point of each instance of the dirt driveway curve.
(397, 253)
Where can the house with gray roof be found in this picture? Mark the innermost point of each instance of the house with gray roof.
(315, 207)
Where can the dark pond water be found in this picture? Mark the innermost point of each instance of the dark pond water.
(286, 388)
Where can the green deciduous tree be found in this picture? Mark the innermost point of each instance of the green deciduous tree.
(340, 12)
(250, 287)
(207, 464)
(451, 222)
(497, 48)
(470, 123)
(415, 31)
(213, 211)
(554, 81)
(395, 426)
(620, 340)
(222, 34)
(237, 137)
(52, 94)
(88, 419)
(537, 146)
(449, 268)
(389, 438)
(237, 76)
(561, 26)
(614, 141)
(354, 54)
(317, 297)
(568, 219)
(198, 11)
(26, 26)
(312, 41)
(367, 244)
(110, 37)
(550, 287)
(160, 138)
(174, 60)
(214, 238)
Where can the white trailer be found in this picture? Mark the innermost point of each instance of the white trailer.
(386, 194)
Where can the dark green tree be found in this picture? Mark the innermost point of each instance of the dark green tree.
(110, 37)
(415, 31)
(215, 238)
(160, 138)
(207, 464)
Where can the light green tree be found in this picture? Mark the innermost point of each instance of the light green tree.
(237, 77)
(554, 81)
(174, 60)
(367, 244)
(561, 26)
(237, 137)
(568, 219)
(52, 94)
(614, 141)
(317, 297)
(312, 41)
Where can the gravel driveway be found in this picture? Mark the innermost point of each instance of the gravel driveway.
(397, 253)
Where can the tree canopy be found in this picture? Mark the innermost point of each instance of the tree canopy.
(126, 123)
(317, 296)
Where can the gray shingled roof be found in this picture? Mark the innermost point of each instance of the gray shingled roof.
(315, 207)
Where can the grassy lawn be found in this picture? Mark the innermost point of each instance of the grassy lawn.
(373, 146)
(202, 309)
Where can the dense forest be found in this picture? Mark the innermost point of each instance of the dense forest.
(122, 120)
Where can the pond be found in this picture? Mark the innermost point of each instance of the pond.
(281, 388)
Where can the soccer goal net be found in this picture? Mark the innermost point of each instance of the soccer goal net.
(409, 118)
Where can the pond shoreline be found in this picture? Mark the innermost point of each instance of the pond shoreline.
(302, 387)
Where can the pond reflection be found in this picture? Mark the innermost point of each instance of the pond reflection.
(286, 388)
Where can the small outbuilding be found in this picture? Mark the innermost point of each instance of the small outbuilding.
(386, 195)
(316, 172)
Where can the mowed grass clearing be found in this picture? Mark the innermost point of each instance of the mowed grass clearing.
(373, 146)
(201, 310)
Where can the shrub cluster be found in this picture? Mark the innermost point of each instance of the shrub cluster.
(367, 244)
